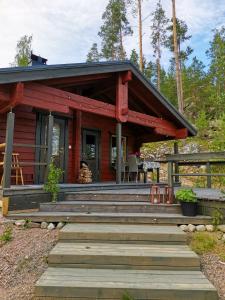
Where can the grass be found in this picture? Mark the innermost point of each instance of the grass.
(6, 236)
(207, 242)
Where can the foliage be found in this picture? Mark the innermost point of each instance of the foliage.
(127, 296)
(203, 242)
(217, 217)
(52, 185)
(93, 55)
(23, 51)
(134, 58)
(6, 236)
(186, 195)
(115, 27)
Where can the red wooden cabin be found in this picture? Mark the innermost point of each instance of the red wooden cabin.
(81, 112)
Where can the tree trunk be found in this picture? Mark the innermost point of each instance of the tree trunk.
(178, 70)
(158, 68)
(140, 35)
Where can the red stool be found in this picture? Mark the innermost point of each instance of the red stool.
(168, 195)
(155, 194)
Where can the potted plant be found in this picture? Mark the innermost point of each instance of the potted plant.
(188, 201)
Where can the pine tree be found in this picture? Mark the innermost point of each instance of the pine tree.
(115, 27)
(134, 58)
(158, 37)
(93, 55)
(23, 51)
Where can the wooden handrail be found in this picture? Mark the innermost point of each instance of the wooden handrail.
(2, 145)
(195, 156)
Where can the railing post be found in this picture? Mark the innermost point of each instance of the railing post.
(176, 168)
(209, 178)
(118, 151)
(170, 173)
(8, 150)
(49, 144)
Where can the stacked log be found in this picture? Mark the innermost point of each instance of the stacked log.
(85, 175)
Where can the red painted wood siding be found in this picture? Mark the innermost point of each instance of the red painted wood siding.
(24, 133)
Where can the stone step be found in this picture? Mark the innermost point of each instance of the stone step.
(123, 256)
(86, 284)
(123, 218)
(90, 206)
(120, 233)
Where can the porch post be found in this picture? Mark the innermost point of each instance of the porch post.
(77, 143)
(170, 173)
(8, 150)
(176, 168)
(49, 143)
(118, 151)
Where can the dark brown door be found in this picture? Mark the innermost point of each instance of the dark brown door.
(59, 145)
(90, 151)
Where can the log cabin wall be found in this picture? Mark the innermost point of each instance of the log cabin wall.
(24, 133)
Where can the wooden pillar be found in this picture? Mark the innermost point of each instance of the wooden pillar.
(8, 150)
(118, 151)
(49, 144)
(77, 144)
(209, 178)
(176, 168)
(170, 173)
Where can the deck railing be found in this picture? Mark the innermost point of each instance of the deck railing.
(206, 159)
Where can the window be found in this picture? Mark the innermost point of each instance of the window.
(113, 149)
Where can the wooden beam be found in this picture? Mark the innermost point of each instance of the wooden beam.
(16, 97)
(122, 97)
(77, 144)
(118, 152)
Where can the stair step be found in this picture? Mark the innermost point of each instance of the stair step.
(110, 207)
(118, 233)
(68, 283)
(123, 256)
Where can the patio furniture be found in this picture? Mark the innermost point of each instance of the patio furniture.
(15, 167)
(155, 194)
(132, 166)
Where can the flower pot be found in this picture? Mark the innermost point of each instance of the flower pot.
(189, 209)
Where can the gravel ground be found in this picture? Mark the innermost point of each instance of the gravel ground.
(23, 260)
(214, 270)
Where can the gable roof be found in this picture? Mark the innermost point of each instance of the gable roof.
(43, 72)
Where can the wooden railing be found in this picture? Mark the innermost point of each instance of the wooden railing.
(9, 145)
(206, 159)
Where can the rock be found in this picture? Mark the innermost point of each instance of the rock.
(44, 225)
(51, 226)
(191, 228)
(184, 227)
(221, 227)
(219, 235)
(34, 225)
(209, 228)
(60, 225)
(200, 228)
(20, 223)
(7, 222)
(223, 238)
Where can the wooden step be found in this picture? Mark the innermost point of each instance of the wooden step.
(86, 284)
(123, 256)
(120, 233)
(110, 207)
(123, 218)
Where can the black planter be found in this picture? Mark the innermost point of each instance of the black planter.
(189, 209)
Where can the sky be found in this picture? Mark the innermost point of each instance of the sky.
(64, 30)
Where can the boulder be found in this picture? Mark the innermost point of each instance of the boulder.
(44, 225)
(221, 228)
(191, 227)
(223, 238)
(51, 226)
(60, 225)
(200, 228)
(209, 228)
(20, 223)
(184, 227)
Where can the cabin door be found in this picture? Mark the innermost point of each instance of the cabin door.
(59, 145)
(90, 151)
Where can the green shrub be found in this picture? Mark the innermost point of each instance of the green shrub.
(186, 195)
(6, 236)
(217, 217)
(127, 296)
(203, 242)
(52, 185)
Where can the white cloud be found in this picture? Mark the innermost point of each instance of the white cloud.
(63, 30)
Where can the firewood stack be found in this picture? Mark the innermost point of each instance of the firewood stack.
(85, 174)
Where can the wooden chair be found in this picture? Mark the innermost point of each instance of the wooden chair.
(15, 167)
(132, 166)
